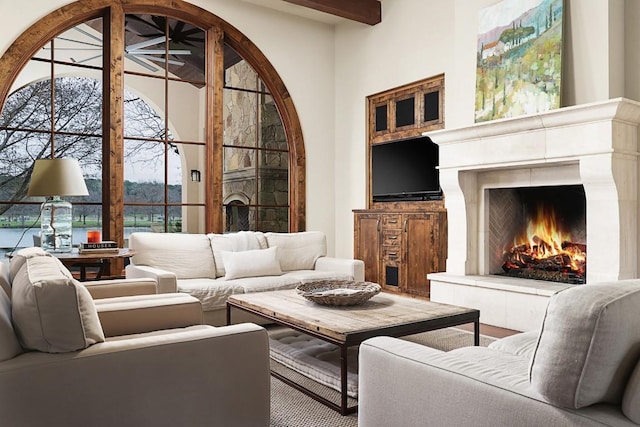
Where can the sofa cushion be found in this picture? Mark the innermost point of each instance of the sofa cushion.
(266, 283)
(252, 263)
(298, 251)
(52, 312)
(212, 293)
(19, 258)
(9, 345)
(313, 358)
(588, 345)
(631, 399)
(234, 242)
(305, 276)
(522, 344)
(188, 256)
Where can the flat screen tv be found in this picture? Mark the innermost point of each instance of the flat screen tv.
(405, 170)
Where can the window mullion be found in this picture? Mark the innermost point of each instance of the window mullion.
(214, 130)
(113, 119)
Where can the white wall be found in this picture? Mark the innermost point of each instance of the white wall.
(330, 71)
(421, 38)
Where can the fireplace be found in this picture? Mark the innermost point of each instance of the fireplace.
(538, 233)
(590, 149)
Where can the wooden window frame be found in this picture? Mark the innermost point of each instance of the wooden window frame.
(218, 31)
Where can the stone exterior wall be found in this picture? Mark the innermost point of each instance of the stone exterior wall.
(253, 176)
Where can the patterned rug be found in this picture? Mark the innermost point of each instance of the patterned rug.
(291, 408)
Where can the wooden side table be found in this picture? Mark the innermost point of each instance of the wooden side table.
(101, 260)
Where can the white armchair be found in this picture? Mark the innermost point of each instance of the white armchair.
(58, 367)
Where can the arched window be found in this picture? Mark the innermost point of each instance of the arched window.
(142, 94)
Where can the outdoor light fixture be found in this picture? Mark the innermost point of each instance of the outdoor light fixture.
(53, 178)
(195, 175)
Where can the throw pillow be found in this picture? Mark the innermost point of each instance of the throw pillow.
(253, 263)
(631, 399)
(51, 312)
(583, 356)
(234, 242)
(298, 251)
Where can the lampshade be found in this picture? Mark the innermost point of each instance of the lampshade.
(57, 177)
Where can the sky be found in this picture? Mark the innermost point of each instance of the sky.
(502, 13)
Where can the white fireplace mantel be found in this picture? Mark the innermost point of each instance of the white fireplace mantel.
(593, 145)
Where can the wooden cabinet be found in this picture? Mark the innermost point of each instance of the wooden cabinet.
(401, 240)
(367, 237)
(400, 248)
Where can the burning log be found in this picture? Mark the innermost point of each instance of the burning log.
(545, 250)
(540, 262)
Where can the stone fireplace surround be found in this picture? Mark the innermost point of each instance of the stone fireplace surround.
(593, 145)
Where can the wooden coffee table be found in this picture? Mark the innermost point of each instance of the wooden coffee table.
(384, 314)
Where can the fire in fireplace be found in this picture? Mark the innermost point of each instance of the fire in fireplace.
(548, 236)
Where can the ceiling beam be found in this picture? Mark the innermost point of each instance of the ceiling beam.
(365, 11)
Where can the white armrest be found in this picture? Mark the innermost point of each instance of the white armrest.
(121, 287)
(165, 378)
(145, 313)
(352, 267)
(166, 280)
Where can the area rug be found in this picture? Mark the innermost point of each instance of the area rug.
(291, 408)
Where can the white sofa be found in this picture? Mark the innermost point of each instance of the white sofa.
(211, 267)
(581, 369)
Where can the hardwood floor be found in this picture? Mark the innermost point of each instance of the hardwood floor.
(491, 331)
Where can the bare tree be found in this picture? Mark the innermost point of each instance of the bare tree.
(29, 121)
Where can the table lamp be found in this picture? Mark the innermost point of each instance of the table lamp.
(53, 178)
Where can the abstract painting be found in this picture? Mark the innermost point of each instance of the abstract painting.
(519, 58)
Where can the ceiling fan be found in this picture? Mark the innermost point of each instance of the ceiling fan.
(137, 52)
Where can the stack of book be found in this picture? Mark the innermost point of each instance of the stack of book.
(106, 246)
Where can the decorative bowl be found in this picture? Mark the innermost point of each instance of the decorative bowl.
(338, 292)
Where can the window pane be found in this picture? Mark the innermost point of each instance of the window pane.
(143, 218)
(78, 105)
(240, 117)
(145, 41)
(81, 44)
(136, 218)
(146, 47)
(239, 217)
(17, 153)
(29, 108)
(144, 102)
(187, 111)
(274, 187)
(272, 134)
(238, 73)
(18, 224)
(192, 160)
(187, 219)
(144, 169)
(187, 56)
(88, 151)
(239, 175)
(273, 219)
(87, 217)
(43, 53)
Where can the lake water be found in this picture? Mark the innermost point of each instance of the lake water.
(9, 237)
